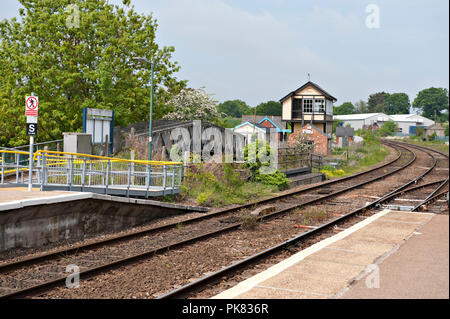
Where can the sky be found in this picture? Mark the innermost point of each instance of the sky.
(260, 50)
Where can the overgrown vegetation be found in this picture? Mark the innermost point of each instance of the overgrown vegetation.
(259, 160)
(357, 157)
(214, 184)
(221, 184)
(312, 216)
(436, 144)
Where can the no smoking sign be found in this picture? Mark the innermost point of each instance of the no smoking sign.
(31, 105)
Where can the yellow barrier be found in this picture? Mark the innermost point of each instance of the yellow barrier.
(56, 158)
(112, 159)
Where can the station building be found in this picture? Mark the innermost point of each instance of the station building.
(407, 123)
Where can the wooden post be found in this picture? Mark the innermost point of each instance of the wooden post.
(107, 145)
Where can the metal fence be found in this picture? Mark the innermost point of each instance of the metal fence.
(59, 170)
(289, 158)
(55, 145)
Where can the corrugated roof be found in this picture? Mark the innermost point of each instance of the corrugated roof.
(361, 116)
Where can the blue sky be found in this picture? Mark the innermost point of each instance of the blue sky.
(260, 50)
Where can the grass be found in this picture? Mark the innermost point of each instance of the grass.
(437, 145)
(249, 221)
(221, 185)
(312, 216)
(369, 154)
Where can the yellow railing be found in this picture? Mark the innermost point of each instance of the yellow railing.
(55, 158)
(59, 155)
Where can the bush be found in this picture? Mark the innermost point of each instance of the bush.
(431, 137)
(276, 179)
(387, 129)
(368, 136)
(224, 187)
(252, 153)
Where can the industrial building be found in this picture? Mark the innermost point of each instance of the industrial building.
(407, 123)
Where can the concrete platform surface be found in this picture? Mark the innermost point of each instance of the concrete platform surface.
(19, 197)
(419, 269)
(391, 254)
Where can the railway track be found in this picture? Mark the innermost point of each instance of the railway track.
(214, 278)
(19, 273)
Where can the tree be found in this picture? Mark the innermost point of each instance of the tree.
(270, 108)
(233, 108)
(387, 129)
(397, 103)
(361, 107)
(377, 102)
(80, 55)
(191, 104)
(432, 101)
(345, 108)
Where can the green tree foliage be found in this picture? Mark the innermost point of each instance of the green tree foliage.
(345, 108)
(268, 108)
(234, 108)
(397, 103)
(377, 102)
(361, 107)
(76, 56)
(432, 101)
(387, 129)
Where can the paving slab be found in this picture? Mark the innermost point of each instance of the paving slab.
(19, 193)
(343, 256)
(419, 269)
(271, 293)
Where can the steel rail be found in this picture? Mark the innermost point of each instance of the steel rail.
(443, 182)
(82, 247)
(184, 290)
(92, 271)
(431, 195)
(431, 199)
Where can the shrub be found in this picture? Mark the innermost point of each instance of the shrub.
(252, 156)
(224, 187)
(277, 179)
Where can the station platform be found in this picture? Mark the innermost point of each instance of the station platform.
(392, 254)
(30, 219)
(20, 197)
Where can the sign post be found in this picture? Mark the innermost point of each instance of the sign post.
(31, 111)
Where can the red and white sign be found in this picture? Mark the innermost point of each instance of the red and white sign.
(31, 105)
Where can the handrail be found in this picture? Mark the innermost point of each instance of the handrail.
(14, 152)
(37, 153)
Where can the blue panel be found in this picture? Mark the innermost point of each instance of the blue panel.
(84, 119)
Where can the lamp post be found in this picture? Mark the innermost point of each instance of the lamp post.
(151, 107)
